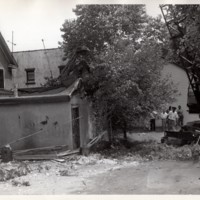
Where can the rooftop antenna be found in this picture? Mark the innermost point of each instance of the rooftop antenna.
(13, 44)
(47, 58)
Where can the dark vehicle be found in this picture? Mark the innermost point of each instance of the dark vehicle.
(189, 133)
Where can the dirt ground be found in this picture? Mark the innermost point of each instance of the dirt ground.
(97, 174)
(166, 177)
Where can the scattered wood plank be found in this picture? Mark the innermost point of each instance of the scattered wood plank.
(67, 153)
(41, 150)
(86, 149)
(49, 156)
(34, 157)
(95, 140)
(59, 160)
(198, 140)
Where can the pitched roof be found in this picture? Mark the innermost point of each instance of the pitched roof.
(5, 51)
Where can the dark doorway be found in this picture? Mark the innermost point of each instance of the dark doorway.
(75, 127)
(1, 79)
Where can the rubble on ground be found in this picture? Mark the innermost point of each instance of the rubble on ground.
(20, 183)
(120, 154)
(12, 170)
(70, 167)
(152, 150)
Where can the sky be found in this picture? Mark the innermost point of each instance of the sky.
(34, 20)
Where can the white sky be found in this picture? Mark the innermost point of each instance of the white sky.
(34, 20)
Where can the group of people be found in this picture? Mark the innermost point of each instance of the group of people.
(171, 119)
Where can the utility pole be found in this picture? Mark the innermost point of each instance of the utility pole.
(12, 40)
(47, 58)
(43, 45)
(12, 43)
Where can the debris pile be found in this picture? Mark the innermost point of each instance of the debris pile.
(65, 172)
(12, 170)
(120, 153)
(18, 183)
(86, 160)
(151, 150)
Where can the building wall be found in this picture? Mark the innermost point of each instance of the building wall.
(44, 63)
(20, 120)
(180, 78)
(8, 78)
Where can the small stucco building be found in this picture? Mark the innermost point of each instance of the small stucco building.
(33, 116)
(50, 116)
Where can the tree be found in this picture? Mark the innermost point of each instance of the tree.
(124, 84)
(128, 85)
(97, 26)
(183, 22)
(187, 19)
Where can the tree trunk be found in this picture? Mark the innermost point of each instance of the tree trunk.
(109, 129)
(125, 134)
(125, 131)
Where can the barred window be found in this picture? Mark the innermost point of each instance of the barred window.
(30, 76)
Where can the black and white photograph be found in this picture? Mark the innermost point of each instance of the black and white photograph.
(99, 98)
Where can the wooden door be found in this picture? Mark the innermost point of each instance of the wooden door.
(1, 79)
(75, 127)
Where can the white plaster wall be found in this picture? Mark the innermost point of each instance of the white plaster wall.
(179, 77)
(25, 119)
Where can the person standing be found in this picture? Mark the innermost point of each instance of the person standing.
(168, 121)
(153, 121)
(173, 117)
(180, 116)
(163, 117)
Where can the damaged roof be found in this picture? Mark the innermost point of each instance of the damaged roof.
(40, 95)
(50, 90)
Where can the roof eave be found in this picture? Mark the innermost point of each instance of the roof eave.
(5, 50)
